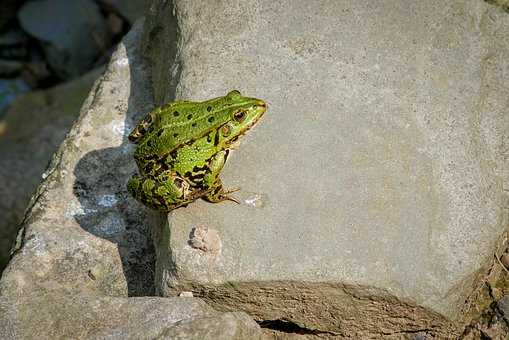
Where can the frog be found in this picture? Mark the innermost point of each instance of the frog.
(182, 146)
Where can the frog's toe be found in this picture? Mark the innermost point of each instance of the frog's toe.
(220, 195)
(230, 198)
(225, 195)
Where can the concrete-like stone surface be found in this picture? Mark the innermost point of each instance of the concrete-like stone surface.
(92, 317)
(32, 129)
(380, 162)
(235, 325)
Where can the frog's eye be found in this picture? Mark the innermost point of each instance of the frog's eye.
(225, 130)
(239, 116)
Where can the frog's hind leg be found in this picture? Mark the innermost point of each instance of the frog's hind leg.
(220, 194)
(217, 193)
(164, 192)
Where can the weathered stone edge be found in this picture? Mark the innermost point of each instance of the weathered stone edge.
(328, 308)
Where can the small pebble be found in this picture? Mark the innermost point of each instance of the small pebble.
(205, 239)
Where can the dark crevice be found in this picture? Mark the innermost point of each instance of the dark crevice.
(416, 331)
(490, 316)
(494, 308)
(285, 326)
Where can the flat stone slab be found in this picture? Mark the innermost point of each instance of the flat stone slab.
(378, 168)
(65, 316)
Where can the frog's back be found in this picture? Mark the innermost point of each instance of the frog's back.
(147, 124)
(177, 123)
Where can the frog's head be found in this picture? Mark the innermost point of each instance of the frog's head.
(244, 115)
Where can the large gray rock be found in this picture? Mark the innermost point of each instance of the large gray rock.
(33, 127)
(72, 33)
(76, 233)
(373, 192)
(63, 316)
(84, 248)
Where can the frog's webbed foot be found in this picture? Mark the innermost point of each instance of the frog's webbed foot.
(227, 197)
(219, 194)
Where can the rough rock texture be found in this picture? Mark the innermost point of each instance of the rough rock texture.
(72, 33)
(490, 310)
(84, 247)
(235, 325)
(372, 194)
(32, 129)
(503, 305)
(376, 185)
(93, 317)
(80, 220)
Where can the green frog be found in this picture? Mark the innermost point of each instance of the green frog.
(183, 146)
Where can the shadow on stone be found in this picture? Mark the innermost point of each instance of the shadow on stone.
(110, 214)
(107, 210)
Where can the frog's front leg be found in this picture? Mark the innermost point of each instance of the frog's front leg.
(164, 192)
(217, 193)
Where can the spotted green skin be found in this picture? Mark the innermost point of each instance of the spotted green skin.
(183, 146)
